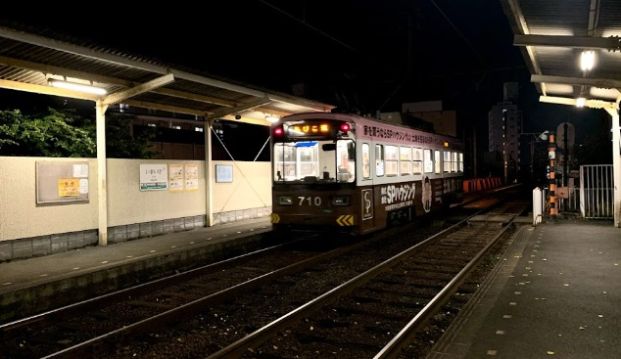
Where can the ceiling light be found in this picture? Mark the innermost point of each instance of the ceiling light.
(271, 118)
(77, 87)
(587, 60)
(580, 102)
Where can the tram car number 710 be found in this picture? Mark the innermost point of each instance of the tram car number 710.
(354, 174)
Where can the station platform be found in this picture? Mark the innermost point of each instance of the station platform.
(555, 293)
(31, 285)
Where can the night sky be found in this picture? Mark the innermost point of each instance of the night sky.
(361, 55)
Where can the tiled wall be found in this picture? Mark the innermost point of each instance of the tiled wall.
(55, 243)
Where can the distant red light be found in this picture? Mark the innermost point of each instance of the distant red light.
(345, 127)
(278, 131)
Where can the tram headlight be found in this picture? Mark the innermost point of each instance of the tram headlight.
(285, 200)
(341, 201)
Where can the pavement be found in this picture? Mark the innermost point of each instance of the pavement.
(555, 294)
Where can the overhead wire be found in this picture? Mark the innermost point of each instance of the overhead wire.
(314, 28)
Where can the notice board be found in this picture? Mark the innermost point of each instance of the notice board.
(61, 182)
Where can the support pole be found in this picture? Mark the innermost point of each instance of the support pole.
(552, 199)
(102, 183)
(616, 166)
(208, 175)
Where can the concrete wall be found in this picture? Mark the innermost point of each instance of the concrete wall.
(20, 217)
(127, 205)
(251, 187)
(249, 195)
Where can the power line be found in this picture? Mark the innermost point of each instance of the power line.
(459, 33)
(303, 22)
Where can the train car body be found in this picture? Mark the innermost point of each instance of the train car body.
(354, 174)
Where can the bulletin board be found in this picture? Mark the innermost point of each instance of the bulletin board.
(61, 182)
(224, 173)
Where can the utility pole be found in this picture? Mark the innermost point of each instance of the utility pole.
(565, 154)
(505, 162)
(474, 150)
(552, 176)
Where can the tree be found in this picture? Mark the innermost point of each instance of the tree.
(122, 142)
(51, 135)
(68, 134)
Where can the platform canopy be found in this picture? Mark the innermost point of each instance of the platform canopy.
(46, 63)
(35, 61)
(573, 51)
(552, 34)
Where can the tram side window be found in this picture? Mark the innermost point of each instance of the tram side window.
(405, 161)
(392, 160)
(379, 160)
(366, 162)
(417, 165)
(345, 161)
(428, 162)
(447, 161)
(454, 163)
(436, 158)
(461, 162)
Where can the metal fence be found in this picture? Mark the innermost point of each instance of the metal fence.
(596, 191)
(572, 202)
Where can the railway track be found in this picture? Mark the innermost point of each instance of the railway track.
(82, 328)
(95, 319)
(126, 323)
(359, 318)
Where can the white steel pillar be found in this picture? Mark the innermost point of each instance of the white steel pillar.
(102, 183)
(208, 174)
(613, 110)
(616, 165)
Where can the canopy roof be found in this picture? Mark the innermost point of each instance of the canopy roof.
(29, 61)
(552, 35)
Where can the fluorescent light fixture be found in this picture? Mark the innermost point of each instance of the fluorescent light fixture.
(587, 60)
(559, 89)
(580, 102)
(271, 118)
(77, 87)
(610, 94)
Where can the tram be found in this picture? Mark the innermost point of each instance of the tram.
(335, 171)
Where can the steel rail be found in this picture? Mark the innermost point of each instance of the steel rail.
(237, 348)
(393, 348)
(196, 305)
(137, 289)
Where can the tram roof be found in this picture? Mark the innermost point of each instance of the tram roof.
(31, 58)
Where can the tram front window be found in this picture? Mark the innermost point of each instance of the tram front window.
(315, 161)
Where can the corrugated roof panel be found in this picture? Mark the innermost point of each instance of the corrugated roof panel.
(557, 61)
(21, 75)
(110, 71)
(175, 101)
(608, 65)
(560, 17)
(193, 87)
(610, 16)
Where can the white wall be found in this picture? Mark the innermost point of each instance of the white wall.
(127, 205)
(251, 187)
(20, 217)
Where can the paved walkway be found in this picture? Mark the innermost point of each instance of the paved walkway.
(557, 294)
